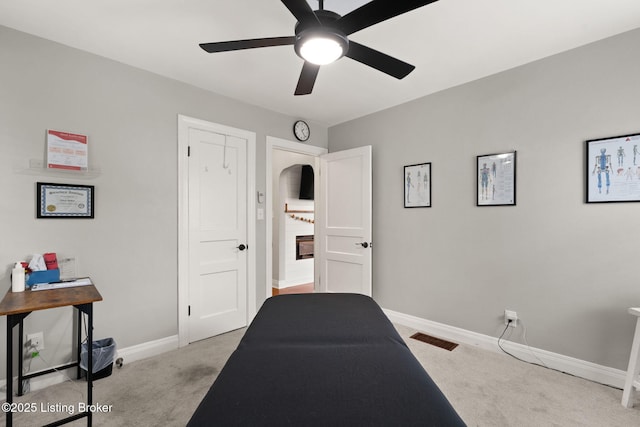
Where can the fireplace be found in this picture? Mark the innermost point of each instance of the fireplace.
(304, 247)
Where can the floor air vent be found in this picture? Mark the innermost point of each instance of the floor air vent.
(447, 345)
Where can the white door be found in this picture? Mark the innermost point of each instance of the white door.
(217, 249)
(344, 222)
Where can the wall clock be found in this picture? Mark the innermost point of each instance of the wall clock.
(301, 130)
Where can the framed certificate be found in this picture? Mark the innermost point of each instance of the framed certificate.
(67, 151)
(64, 200)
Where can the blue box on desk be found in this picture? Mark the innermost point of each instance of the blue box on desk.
(43, 276)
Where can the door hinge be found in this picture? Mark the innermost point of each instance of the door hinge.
(188, 151)
(189, 311)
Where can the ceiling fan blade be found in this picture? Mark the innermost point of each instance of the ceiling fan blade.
(377, 11)
(301, 10)
(307, 78)
(378, 60)
(247, 44)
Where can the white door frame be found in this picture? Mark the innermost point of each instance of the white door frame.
(184, 123)
(274, 143)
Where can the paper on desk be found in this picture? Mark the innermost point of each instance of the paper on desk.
(59, 285)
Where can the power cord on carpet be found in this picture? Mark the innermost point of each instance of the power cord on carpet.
(541, 364)
(524, 336)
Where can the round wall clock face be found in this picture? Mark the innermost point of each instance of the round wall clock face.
(301, 130)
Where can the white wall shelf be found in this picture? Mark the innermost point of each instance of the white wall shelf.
(37, 167)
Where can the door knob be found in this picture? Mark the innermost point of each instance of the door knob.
(363, 244)
(242, 247)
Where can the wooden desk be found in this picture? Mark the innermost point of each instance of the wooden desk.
(17, 306)
(634, 363)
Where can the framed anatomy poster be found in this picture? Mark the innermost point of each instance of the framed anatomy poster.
(417, 186)
(613, 169)
(496, 179)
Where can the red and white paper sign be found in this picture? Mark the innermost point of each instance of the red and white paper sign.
(67, 151)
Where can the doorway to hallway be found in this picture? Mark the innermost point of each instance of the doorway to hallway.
(342, 215)
(293, 223)
(284, 173)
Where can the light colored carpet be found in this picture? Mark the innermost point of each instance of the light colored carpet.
(491, 389)
(487, 389)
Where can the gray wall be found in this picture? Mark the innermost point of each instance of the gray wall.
(130, 116)
(569, 269)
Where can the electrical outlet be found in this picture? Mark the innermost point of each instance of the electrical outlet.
(511, 318)
(36, 341)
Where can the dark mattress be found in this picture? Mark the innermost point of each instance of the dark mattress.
(323, 360)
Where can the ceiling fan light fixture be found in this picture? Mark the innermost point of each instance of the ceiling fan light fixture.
(321, 48)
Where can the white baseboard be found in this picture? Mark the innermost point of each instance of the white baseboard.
(580, 368)
(128, 354)
(283, 284)
(148, 349)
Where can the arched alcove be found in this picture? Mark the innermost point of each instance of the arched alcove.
(293, 230)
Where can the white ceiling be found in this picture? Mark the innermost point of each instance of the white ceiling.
(450, 42)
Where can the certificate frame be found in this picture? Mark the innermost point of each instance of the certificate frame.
(67, 151)
(417, 185)
(64, 200)
(612, 169)
(496, 179)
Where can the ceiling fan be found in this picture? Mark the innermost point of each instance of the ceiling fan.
(321, 38)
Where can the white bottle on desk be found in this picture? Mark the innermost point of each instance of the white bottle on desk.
(17, 278)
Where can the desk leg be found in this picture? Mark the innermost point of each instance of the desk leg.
(79, 344)
(90, 362)
(633, 370)
(20, 357)
(12, 321)
(9, 416)
(88, 309)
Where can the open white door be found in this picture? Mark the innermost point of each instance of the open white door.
(343, 222)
